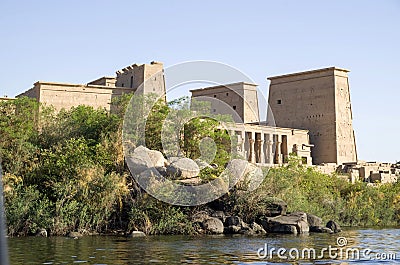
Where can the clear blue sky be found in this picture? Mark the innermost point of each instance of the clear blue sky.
(77, 41)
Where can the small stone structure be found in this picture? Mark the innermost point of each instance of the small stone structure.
(372, 172)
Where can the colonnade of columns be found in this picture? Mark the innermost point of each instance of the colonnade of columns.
(261, 147)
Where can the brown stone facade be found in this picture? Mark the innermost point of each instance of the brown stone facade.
(318, 101)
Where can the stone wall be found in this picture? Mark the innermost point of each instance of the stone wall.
(100, 92)
(65, 96)
(240, 97)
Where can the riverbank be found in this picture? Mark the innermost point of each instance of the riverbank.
(71, 176)
(290, 188)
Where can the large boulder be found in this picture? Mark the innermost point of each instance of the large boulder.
(199, 217)
(276, 207)
(233, 225)
(313, 220)
(334, 226)
(236, 170)
(248, 175)
(157, 158)
(257, 229)
(213, 225)
(294, 223)
(143, 158)
(271, 207)
(315, 223)
(182, 168)
(320, 229)
(253, 177)
(233, 220)
(202, 164)
(220, 215)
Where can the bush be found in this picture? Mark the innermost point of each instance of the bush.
(27, 210)
(157, 218)
(89, 201)
(330, 197)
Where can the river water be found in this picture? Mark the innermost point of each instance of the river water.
(374, 246)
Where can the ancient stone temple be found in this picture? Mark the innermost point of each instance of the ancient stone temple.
(318, 101)
(311, 110)
(258, 142)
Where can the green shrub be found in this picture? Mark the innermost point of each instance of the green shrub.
(158, 218)
(27, 210)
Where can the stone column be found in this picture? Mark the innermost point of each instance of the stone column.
(252, 158)
(262, 155)
(243, 135)
(278, 151)
(270, 157)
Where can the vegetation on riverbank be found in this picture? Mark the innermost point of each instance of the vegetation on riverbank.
(65, 172)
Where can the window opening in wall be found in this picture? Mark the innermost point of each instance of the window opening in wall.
(214, 110)
(131, 85)
(122, 85)
(227, 94)
(215, 96)
(279, 101)
(234, 107)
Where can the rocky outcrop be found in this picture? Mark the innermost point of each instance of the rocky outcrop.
(182, 168)
(294, 223)
(271, 212)
(213, 225)
(313, 220)
(320, 229)
(144, 162)
(257, 229)
(298, 223)
(235, 225)
(143, 158)
(206, 224)
(334, 226)
(210, 224)
(220, 215)
(275, 207)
